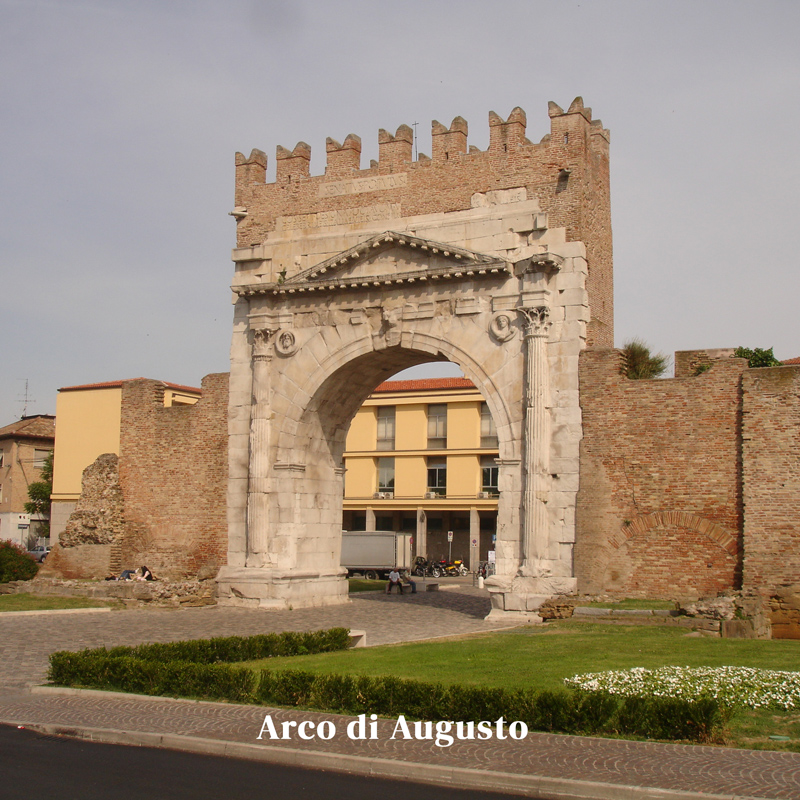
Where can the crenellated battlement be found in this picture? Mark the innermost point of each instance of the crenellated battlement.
(396, 151)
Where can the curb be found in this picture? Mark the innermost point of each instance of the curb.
(534, 786)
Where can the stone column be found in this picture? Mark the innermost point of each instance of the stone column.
(537, 442)
(422, 533)
(258, 554)
(474, 535)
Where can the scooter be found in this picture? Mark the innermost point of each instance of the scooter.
(461, 567)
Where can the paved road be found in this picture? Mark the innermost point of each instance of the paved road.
(89, 771)
(543, 765)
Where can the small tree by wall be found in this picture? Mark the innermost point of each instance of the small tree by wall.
(640, 363)
(757, 357)
(38, 504)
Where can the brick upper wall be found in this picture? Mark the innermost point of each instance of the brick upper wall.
(173, 473)
(659, 506)
(568, 171)
(771, 476)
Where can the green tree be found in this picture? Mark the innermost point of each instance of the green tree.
(757, 357)
(640, 363)
(39, 496)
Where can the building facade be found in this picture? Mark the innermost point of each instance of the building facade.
(421, 457)
(24, 447)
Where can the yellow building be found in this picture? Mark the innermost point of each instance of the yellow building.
(421, 456)
(88, 427)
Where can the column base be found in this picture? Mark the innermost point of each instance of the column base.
(520, 597)
(281, 590)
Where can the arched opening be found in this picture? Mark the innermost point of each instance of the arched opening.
(421, 460)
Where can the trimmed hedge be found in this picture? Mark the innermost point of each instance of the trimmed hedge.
(232, 649)
(199, 669)
(574, 712)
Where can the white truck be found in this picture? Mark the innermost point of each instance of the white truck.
(375, 553)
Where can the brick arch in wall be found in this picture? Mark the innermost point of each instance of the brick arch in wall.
(671, 553)
(680, 519)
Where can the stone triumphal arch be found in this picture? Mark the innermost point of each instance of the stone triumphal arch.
(346, 278)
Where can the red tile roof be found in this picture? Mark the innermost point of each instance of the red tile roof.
(41, 426)
(118, 384)
(790, 361)
(425, 384)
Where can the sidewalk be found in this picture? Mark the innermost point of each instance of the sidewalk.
(543, 765)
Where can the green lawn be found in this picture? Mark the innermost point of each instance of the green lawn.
(363, 585)
(36, 602)
(632, 602)
(541, 657)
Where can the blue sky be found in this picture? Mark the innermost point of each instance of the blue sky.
(120, 122)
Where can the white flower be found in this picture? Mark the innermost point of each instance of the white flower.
(744, 686)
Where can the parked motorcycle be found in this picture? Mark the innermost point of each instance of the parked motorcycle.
(423, 567)
(447, 568)
(461, 567)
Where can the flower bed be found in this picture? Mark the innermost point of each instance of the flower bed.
(731, 686)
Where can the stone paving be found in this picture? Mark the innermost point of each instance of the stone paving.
(563, 766)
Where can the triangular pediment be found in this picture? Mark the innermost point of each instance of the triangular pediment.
(394, 258)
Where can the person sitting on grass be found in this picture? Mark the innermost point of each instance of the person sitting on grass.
(394, 580)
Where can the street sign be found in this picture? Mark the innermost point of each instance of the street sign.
(474, 542)
(449, 536)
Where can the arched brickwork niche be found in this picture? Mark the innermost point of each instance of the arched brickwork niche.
(672, 554)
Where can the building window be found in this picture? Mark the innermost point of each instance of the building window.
(386, 428)
(489, 475)
(488, 430)
(2, 456)
(437, 426)
(386, 475)
(39, 458)
(437, 476)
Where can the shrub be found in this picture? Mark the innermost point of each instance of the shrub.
(15, 563)
(231, 649)
(757, 357)
(640, 363)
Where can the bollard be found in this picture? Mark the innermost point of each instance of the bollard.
(480, 581)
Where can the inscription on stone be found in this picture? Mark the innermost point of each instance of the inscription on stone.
(345, 216)
(358, 185)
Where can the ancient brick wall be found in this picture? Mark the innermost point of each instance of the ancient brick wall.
(771, 476)
(568, 172)
(173, 473)
(659, 506)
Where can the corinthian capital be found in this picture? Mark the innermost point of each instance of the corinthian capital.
(536, 320)
(263, 344)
